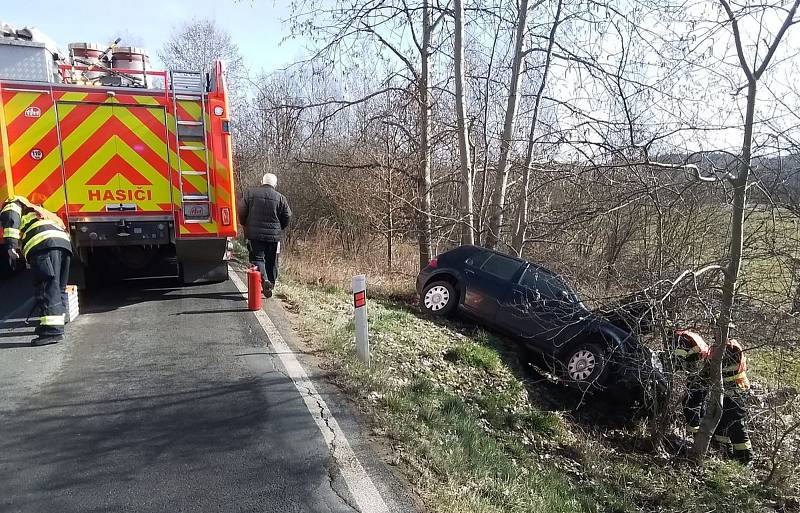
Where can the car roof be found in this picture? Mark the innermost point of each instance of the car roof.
(481, 248)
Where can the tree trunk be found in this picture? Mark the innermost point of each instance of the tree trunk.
(424, 181)
(501, 173)
(389, 219)
(467, 227)
(713, 405)
(518, 241)
(480, 214)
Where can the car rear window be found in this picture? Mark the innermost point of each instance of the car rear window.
(500, 266)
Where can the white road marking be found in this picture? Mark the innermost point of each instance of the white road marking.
(365, 494)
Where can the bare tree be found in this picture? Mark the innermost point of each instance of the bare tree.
(467, 228)
(753, 69)
(501, 173)
(518, 241)
(195, 46)
(424, 184)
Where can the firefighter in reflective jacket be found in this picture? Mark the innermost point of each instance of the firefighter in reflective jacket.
(690, 353)
(41, 238)
(732, 429)
(731, 432)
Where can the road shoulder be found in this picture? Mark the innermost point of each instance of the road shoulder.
(373, 453)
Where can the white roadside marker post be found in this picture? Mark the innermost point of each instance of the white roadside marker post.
(362, 328)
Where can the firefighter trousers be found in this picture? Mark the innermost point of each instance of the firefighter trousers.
(731, 431)
(50, 275)
(693, 408)
(732, 427)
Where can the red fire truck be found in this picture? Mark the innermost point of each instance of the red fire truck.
(136, 161)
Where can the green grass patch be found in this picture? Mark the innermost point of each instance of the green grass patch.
(779, 367)
(479, 471)
(474, 355)
(468, 437)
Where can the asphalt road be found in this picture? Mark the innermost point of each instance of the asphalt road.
(163, 398)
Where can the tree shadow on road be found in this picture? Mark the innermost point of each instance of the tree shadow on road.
(122, 294)
(188, 444)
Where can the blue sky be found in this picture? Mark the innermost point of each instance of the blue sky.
(256, 25)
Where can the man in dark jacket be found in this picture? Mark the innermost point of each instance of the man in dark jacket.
(265, 213)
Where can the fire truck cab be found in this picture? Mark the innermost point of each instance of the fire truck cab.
(136, 161)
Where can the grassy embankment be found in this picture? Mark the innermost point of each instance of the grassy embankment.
(457, 410)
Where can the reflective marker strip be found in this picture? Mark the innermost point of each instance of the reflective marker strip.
(52, 320)
(36, 224)
(40, 237)
(29, 219)
(11, 233)
(363, 490)
(742, 446)
(360, 299)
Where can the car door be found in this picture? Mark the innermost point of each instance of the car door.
(487, 278)
(539, 308)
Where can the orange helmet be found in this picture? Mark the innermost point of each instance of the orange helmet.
(690, 344)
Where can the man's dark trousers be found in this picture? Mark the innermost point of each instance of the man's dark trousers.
(50, 275)
(264, 255)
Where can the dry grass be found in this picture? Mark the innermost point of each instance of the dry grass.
(321, 262)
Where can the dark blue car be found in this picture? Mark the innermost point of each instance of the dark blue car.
(585, 349)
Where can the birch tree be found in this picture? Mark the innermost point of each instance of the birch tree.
(498, 200)
(424, 180)
(518, 241)
(466, 196)
(341, 27)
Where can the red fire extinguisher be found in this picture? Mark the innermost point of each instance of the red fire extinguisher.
(253, 289)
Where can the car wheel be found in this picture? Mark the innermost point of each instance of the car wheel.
(439, 298)
(584, 365)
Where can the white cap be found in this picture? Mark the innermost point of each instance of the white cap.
(270, 179)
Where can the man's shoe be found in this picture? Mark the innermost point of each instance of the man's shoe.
(46, 340)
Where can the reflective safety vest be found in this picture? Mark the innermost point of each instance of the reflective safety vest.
(32, 227)
(734, 367)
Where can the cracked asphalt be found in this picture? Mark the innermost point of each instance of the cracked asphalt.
(167, 398)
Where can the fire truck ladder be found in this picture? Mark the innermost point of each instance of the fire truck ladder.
(189, 86)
